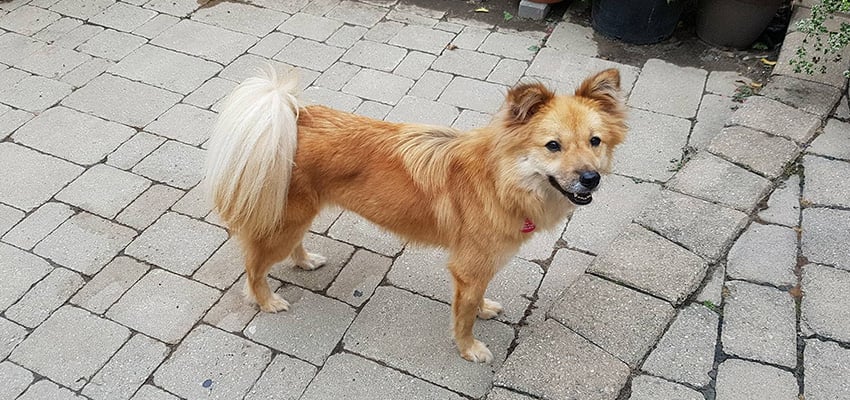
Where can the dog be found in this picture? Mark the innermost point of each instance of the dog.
(273, 165)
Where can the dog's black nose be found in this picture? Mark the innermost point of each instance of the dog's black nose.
(589, 179)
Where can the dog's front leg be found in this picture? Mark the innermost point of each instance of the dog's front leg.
(471, 278)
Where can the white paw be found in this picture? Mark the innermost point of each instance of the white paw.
(275, 304)
(312, 262)
(477, 352)
(489, 309)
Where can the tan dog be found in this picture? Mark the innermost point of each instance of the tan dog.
(273, 166)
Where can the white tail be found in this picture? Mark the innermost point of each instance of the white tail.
(249, 162)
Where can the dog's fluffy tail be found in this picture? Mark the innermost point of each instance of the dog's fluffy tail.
(251, 153)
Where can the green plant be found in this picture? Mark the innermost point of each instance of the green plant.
(822, 45)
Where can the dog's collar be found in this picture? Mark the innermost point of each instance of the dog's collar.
(528, 226)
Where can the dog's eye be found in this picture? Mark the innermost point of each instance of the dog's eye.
(595, 141)
(553, 146)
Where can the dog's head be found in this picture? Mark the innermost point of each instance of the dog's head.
(564, 143)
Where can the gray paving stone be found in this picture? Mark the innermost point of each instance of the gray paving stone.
(185, 123)
(824, 294)
(16, 380)
(35, 93)
(373, 381)
(652, 89)
(827, 369)
(776, 118)
(824, 234)
(233, 312)
(52, 61)
(47, 295)
(420, 111)
(205, 41)
(83, 9)
(331, 98)
(646, 387)
(309, 54)
(469, 119)
(382, 330)
(45, 389)
(423, 270)
(467, 63)
(541, 244)
(15, 47)
(616, 203)
(714, 111)
(195, 203)
(473, 94)
(811, 97)
(532, 10)
(783, 207)
(35, 176)
(223, 267)
(834, 141)
(356, 230)
(391, 90)
(148, 392)
(111, 44)
(85, 243)
(231, 363)
(310, 26)
(827, 182)
(574, 38)
(9, 217)
(566, 267)
(127, 370)
(653, 148)
(357, 13)
(156, 25)
(346, 36)
(725, 83)
(702, 227)
(735, 143)
(12, 120)
(359, 278)
(555, 363)
(247, 66)
(26, 269)
(414, 64)
(163, 305)
(115, 190)
(173, 163)
(507, 72)
(714, 179)
(86, 72)
(744, 380)
(309, 330)
(121, 100)
(410, 18)
(764, 254)
(239, 17)
(607, 314)
(335, 77)
(38, 225)
(180, 8)
(383, 31)
(834, 70)
(123, 17)
(337, 253)
(149, 206)
(285, 378)
(177, 243)
(470, 38)
(571, 69)
(515, 46)
(70, 346)
(271, 44)
(129, 153)
(373, 109)
(686, 351)
(83, 139)
(646, 261)
(759, 324)
(449, 27)
(430, 85)
(210, 92)
(109, 284)
(166, 69)
(28, 20)
(497, 393)
(57, 29)
(423, 39)
(842, 111)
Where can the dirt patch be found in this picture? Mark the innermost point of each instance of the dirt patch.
(684, 48)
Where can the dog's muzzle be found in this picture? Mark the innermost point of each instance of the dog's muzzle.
(584, 195)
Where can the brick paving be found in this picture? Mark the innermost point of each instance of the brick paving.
(720, 274)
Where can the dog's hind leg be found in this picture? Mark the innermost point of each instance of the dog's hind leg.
(305, 260)
(260, 255)
(471, 275)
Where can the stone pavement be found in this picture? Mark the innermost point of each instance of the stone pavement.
(713, 265)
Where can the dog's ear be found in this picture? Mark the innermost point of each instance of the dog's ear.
(525, 100)
(603, 87)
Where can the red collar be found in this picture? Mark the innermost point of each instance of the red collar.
(528, 226)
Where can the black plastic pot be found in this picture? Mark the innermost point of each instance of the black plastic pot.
(734, 23)
(636, 21)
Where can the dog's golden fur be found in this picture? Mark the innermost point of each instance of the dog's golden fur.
(274, 165)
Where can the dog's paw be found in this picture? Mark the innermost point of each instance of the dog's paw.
(275, 304)
(489, 309)
(313, 261)
(477, 352)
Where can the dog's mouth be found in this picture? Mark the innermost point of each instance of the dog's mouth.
(580, 199)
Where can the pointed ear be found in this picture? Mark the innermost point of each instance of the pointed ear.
(603, 87)
(525, 100)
